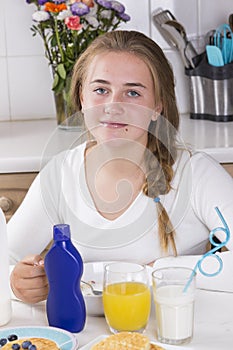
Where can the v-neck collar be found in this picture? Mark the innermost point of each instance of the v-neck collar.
(90, 202)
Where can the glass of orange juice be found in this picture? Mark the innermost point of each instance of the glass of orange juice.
(126, 296)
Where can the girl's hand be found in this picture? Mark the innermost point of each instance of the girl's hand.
(28, 280)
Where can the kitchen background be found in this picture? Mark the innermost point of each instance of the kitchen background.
(25, 90)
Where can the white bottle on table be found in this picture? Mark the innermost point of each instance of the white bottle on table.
(5, 298)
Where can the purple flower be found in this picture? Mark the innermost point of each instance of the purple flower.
(117, 6)
(105, 3)
(124, 16)
(41, 2)
(57, 1)
(79, 9)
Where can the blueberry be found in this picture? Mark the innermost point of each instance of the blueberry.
(12, 337)
(15, 346)
(3, 341)
(32, 347)
(26, 344)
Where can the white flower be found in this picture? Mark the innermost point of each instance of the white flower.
(40, 16)
(114, 21)
(93, 10)
(92, 21)
(63, 14)
(106, 14)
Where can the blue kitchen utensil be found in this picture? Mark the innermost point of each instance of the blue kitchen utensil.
(214, 56)
(223, 38)
(210, 253)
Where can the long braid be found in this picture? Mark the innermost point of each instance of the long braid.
(166, 231)
(165, 227)
(159, 159)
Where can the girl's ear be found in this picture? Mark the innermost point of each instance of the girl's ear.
(157, 112)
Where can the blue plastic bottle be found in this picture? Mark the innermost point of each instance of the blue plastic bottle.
(64, 268)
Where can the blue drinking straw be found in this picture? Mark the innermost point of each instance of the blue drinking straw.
(217, 246)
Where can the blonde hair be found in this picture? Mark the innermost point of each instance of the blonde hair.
(161, 144)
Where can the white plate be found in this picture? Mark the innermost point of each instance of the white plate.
(165, 346)
(65, 340)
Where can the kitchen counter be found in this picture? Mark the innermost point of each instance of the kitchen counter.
(214, 138)
(25, 146)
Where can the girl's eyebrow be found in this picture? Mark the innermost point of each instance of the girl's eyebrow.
(100, 81)
(106, 82)
(135, 84)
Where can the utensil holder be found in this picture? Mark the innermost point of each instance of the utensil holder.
(211, 89)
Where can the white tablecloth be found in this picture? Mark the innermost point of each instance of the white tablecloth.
(213, 322)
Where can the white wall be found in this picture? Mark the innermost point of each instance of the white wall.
(25, 91)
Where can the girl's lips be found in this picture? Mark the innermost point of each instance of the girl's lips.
(113, 125)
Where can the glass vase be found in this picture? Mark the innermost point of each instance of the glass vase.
(67, 117)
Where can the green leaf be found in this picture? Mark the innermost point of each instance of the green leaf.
(61, 71)
(55, 81)
(60, 86)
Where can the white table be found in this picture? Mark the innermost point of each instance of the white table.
(213, 322)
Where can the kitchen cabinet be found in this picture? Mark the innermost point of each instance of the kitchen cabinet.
(228, 167)
(13, 188)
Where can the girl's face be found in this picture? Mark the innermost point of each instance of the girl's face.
(118, 98)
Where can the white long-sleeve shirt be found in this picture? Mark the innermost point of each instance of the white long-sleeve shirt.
(60, 194)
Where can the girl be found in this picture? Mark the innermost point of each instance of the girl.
(132, 191)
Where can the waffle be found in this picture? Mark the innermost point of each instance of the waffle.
(41, 343)
(125, 341)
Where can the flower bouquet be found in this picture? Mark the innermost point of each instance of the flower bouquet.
(67, 27)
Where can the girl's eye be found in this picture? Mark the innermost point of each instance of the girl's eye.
(100, 91)
(133, 93)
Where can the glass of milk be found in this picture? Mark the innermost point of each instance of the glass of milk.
(174, 307)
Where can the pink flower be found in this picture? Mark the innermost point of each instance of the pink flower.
(73, 22)
(89, 3)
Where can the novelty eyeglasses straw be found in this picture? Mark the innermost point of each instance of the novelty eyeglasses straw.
(210, 253)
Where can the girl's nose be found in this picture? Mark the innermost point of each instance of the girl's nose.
(113, 108)
(115, 96)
